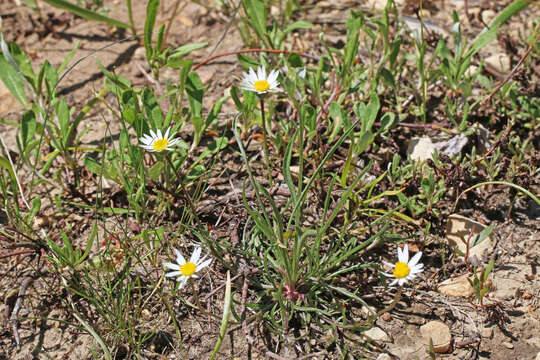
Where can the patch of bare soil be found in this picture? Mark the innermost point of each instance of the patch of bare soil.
(508, 325)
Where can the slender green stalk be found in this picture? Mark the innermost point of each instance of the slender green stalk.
(130, 17)
(265, 145)
(184, 190)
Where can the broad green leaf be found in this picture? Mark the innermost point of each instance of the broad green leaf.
(28, 126)
(13, 81)
(489, 33)
(256, 14)
(186, 49)
(194, 90)
(150, 22)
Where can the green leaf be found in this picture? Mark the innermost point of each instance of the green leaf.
(13, 81)
(151, 14)
(351, 46)
(225, 318)
(247, 61)
(194, 90)
(297, 25)
(28, 127)
(482, 236)
(186, 49)
(256, 15)
(63, 120)
(85, 14)
(295, 60)
(489, 33)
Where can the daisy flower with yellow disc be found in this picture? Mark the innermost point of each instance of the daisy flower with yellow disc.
(184, 270)
(158, 142)
(405, 269)
(259, 82)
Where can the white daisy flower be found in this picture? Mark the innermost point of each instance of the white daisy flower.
(259, 82)
(405, 270)
(183, 270)
(158, 142)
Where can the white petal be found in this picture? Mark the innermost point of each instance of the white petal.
(386, 274)
(173, 274)
(196, 255)
(179, 257)
(153, 134)
(203, 264)
(252, 75)
(406, 253)
(388, 264)
(183, 281)
(415, 259)
(261, 73)
(148, 147)
(394, 282)
(171, 266)
(273, 76)
(166, 136)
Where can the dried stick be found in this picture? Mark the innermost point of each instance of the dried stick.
(514, 70)
(14, 320)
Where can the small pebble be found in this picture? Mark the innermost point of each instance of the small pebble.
(386, 317)
(487, 333)
(508, 345)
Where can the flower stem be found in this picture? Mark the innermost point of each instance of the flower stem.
(265, 145)
(184, 191)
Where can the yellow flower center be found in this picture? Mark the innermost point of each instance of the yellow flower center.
(261, 85)
(160, 145)
(401, 270)
(188, 269)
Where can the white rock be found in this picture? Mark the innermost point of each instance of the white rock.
(377, 334)
(538, 356)
(384, 357)
(421, 149)
(500, 62)
(439, 333)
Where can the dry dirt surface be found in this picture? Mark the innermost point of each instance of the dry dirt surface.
(507, 328)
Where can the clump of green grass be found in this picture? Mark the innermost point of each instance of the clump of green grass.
(319, 203)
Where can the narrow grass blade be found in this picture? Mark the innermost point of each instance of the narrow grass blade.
(517, 187)
(98, 339)
(86, 14)
(225, 318)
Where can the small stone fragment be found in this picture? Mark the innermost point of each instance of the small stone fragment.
(386, 317)
(500, 62)
(508, 345)
(384, 357)
(439, 333)
(377, 334)
(487, 333)
(457, 287)
(526, 295)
